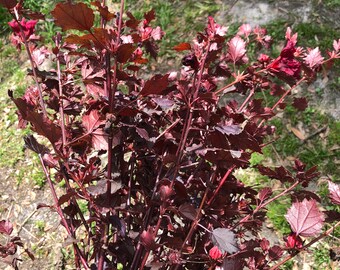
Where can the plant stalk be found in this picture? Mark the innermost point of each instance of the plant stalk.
(61, 214)
(41, 100)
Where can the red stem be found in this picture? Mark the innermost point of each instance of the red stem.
(283, 97)
(262, 205)
(61, 98)
(221, 184)
(252, 92)
(111, 93)
(78, 253)
(41, 100)
(231, 84)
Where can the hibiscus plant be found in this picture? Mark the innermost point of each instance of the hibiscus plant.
(152, 155)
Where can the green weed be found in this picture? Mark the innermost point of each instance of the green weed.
(276, 212)
(321, 258)
(40, 225)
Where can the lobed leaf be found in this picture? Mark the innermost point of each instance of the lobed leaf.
(188, 211)
(73, 16)
(334, 192)
(8, 3)
(6, 227)
(41, 124)
(225, 240)
(236, 48)
(156, 85)
(305, 218)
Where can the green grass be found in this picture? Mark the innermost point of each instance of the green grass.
(316, 151)
(314, 34)
(13, 156)
(40, 226)
(321, 257)
(276, 212)
(332, 3)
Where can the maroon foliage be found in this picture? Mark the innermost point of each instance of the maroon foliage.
(73, 16)
(153, 156)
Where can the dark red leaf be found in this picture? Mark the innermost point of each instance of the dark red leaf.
(156, 85)
(101, 187)
(32, 144)
(42, 125)
(182, 47)
(305, 218)
(332, 216)
(66, 197)
(124, 52)
(300, 195)
(280, 173)
(232, 263)
(266, 171)
(190, 60)
(299, 165)
(147, 239)
(265, 193)
(277, 90)
(229, 129)
(104, 11)
(188, 211)
(275, 253)
(73, 16)
(142, 133)
(43, 205)
(29, 254)
(6, 227)
(8, 3)
(300, 103)
(98, 38)
(225, 240)
(92, 122)
(149, 16)
(132, 22)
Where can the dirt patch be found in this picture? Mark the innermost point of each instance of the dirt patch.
(39, 229)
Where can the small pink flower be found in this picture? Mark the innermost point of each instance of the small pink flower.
(263, 58)
(294, 241)
(215, 253)
(27, 27)
(285, 65)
